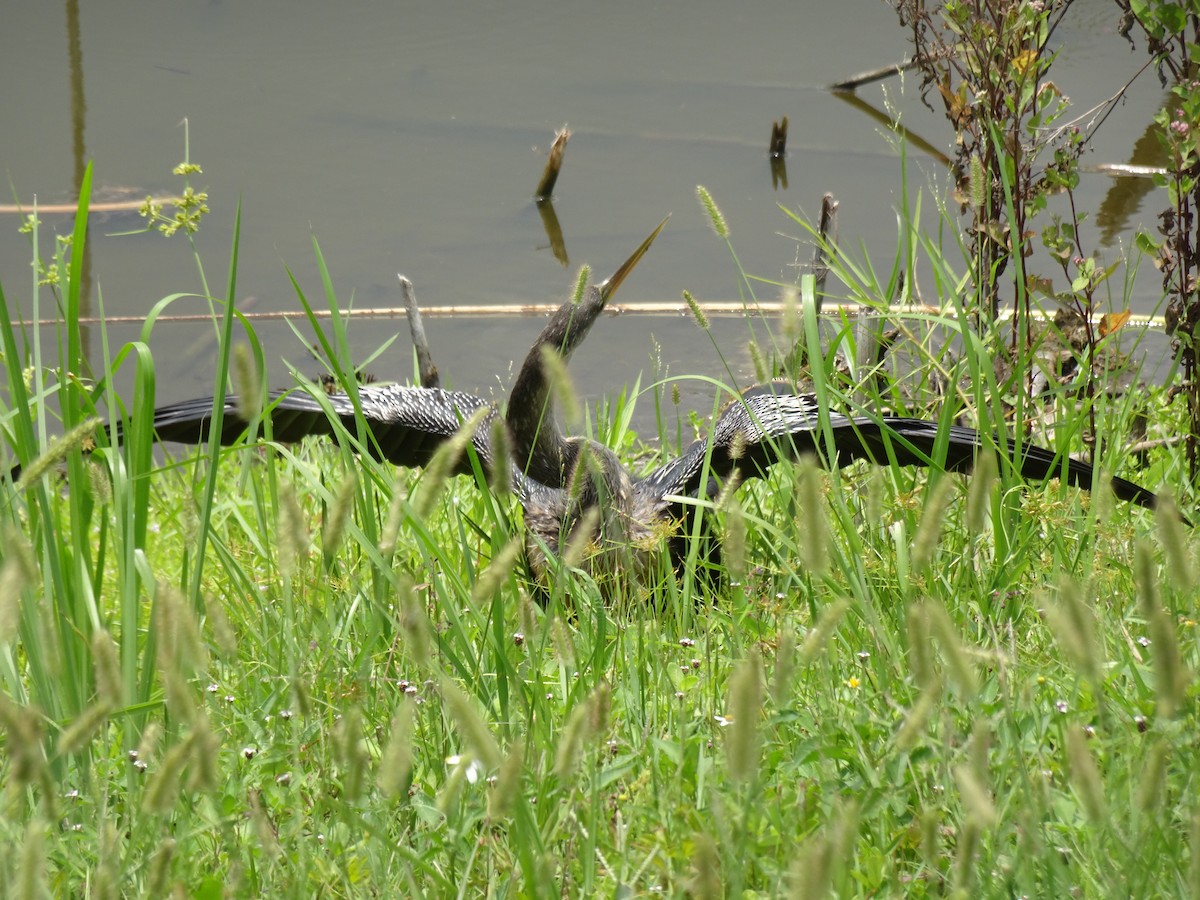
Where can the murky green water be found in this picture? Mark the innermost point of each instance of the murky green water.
(408, 137)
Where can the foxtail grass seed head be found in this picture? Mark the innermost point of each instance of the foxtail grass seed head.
(697, 313)
(563, 645)
(246, 384)
(819, 635)
(875, 495)
(414, 623)
(493, 577)
(205, 750)
(163, 789)
(445, 458)
(976, 182)
(581, 285)
(76, 735)
(23, 727)
(975, 797)
(303, 697)
(929, 530)
(964, 860)
(508, 783)
(152, 735)
(599, 709)
(812, 870)
(912, 729)
(954, 652)
(843, 835)
(1154, 773)
(570, 743)
(1085, 775)
(264, 828)
(57, 451)
(31, 876)
(222, 629)
(734, 546)
(562, 389)
(762, 372)
(109, 690)
(160, 868)
(178, 692)
(785, 667)
(339, 514)
(475, 732)
(734, 481)
(978, 749)
(179, 643)
(100, 481)
(292, 533)
(352, 753)
(1170, 677)
(920, 648)
(1180, 566)
(16, 574)
(452, 787)
(581, 541)
(792, 326)
(979, 494)
(705, 882)
(1074, 628)
(745, 703)
(930, 825)
(1194, 846)
(814, 550)
(501, 483)
(395, 514)
(395, 766)
(528, 613)
(715, 218)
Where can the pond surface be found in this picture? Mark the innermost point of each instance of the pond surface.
(408, 137)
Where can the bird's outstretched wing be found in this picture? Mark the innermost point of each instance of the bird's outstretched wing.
(406, 424)
(770, 423)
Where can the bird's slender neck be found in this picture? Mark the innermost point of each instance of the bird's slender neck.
(539, 447)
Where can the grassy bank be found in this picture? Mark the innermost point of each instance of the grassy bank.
(290, 671)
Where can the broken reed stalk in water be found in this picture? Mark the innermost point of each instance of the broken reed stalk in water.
(545, 188)
(778, 146)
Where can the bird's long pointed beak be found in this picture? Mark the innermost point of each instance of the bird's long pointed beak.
(609, 287)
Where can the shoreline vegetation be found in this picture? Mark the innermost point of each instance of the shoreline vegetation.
(289, 670)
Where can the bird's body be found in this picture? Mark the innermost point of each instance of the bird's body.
(574, 490)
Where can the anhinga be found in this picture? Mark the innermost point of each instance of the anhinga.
(568, 482)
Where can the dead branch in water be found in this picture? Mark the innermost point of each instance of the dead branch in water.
(821, 251)
(429, 372)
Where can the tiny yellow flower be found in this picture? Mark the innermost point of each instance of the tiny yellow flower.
(853, 683)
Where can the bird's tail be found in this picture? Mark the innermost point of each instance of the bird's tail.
(913, 442)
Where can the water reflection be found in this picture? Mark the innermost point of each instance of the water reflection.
(558, 246)
(1123, 199)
